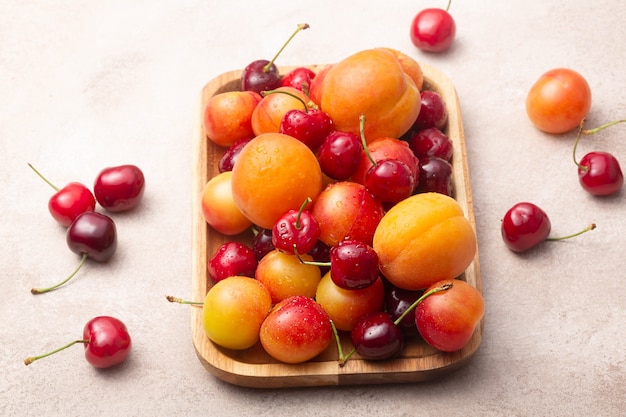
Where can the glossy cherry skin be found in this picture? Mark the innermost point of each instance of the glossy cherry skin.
(600, 174)
(295, 229)
(262, 243)
(353, 265)
(119, 188)
(299, 78)
(257, 77)
(435, 175)
(391, 180)
(70, 201)
(397, 301)
(339, 155)
(93, 234)
(524, 226)
(232, 259)
(433, 112)
(228, 160)
(376, 337)
(108, 341)
(433, 30)
(310, 127)
(431, 142)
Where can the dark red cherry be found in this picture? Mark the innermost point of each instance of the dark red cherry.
(376, 337)
(435, 175)
(309, 126)
(228, 160)
(431, 142)
(397, 301)
(260, 75)
(433, 112)
(296, 231)
(119, 188)
(262, 243)
(524, 226)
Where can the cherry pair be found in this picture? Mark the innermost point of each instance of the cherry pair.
(89, 233)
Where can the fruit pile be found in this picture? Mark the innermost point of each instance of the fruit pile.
(93, 235)
(341, 175)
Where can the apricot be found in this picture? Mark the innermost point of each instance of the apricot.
(410, 66)
(372, 82)
(270, 111)
(274, 173)
(423, 239)
(218, 207)
(228, 116)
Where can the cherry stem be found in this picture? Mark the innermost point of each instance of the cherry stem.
(427, 294)
(302, 261)
(42, 177)
(307, 106)
(342, 357)
(586, 229)
(363, 140)
(32, 359)
(604, 126)
(173, 299)
(300, 27)
(580, 130)
(448, 6)
(70, 276)
(298, 223)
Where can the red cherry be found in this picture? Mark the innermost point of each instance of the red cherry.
(600, 173)
(106, 339)
(339, 155)
(228, 160)
(310, 126)
(390, 180)
(119, 188)
(353, 265)
(262, 75)
(435, 175)
(231, 259)
(376, 337)
(431, 142)
(68, 202)
(91, 235)
(433, 112)
(525, 226)
(433, 30)
(296, 231)
(299, 78)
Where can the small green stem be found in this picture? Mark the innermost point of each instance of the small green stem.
(54, 287)
(448, 6)
(586, 229)
(300, 27)
(306, 202)
(42, 177)
(173, 299)
(604, 126)
(428, 293)
(580, 130)
(364, 140)
(32, 359)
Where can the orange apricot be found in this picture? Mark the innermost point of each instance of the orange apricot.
(218, 207)
(372, 82)
(423, 239)
(228, 116)
(274, 173)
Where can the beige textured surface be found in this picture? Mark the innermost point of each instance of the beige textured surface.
(85, 84)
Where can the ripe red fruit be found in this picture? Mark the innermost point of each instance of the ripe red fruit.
(524, 226)
(68, 202)
(433, 30)
(119, 188)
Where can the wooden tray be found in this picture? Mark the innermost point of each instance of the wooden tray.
(253, 367)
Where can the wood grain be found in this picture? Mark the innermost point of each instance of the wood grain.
(253, 367)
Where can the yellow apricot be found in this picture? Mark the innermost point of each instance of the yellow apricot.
(423, 239)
